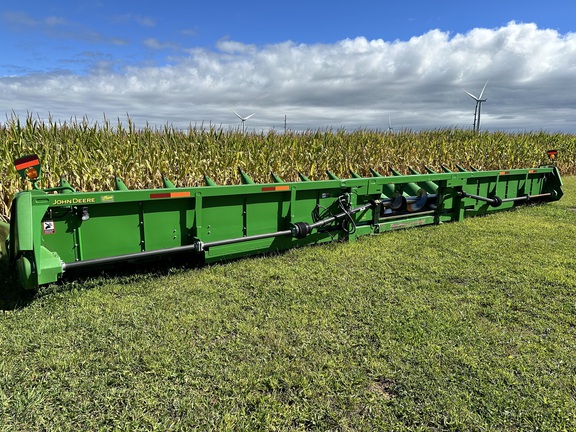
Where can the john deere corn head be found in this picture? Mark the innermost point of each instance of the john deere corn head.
(58, 229)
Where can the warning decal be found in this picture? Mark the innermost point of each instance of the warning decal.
(49, 227)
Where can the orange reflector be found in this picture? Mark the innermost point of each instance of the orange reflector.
(532, 171)
(504, 172)
(31, 173)
(26, 162)
(275, 188)
(170, 195)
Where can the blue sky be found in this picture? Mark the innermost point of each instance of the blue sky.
(319, 64)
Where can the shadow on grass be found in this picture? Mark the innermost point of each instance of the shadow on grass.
(12, 296)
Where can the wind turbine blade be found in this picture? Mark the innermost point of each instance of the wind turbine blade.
(239, 116)
(471, 95)
(246, 118)
(482, 92)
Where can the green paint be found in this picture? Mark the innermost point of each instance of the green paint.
(51, 232)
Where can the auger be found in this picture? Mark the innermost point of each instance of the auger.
(58, 229)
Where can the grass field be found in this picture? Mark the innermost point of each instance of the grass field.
(457, 327)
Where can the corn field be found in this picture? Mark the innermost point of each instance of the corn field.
(89, 154)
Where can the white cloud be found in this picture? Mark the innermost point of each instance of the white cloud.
(352, 83)
(155, 44)
(18, 20)
(145, 21)
(189, 32)
(55, 27)
(232, 47)
(55, 21)
(138, 19)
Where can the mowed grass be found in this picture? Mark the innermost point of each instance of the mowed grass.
(457, 327)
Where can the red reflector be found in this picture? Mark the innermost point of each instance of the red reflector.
(275, 188)
(504, 172)
(26, 162)
(170, 195)
(532, 171)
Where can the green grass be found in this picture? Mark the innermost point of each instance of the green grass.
(460, 327)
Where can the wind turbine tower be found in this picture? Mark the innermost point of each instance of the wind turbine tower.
(478, 107)
(243, 119)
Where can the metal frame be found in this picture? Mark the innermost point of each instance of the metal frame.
(58, 229)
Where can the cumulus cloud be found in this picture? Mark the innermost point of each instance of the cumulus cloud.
(353, 83)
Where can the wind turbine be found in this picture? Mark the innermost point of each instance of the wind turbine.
(390, 129)
(478, 107)
(243, 119)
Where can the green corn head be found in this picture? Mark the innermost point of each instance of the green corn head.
(57, 230)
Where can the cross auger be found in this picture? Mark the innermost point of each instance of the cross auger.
(58, 229)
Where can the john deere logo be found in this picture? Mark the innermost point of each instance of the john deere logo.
(107, 198)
